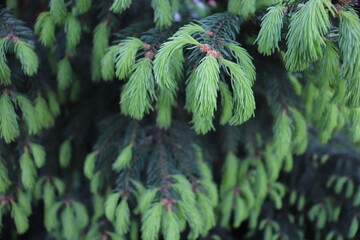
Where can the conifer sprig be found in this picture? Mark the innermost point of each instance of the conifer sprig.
(204, 88)
(45, 28)
(9, 128)
(156, 179)
(243, 8)
(100, 42)
(139, 92)
(307, 29)
(125, 57)
(73, 33)
(195, 93)
(120, 5)
(243, 98)
(4, 68)
(26, 55)
(270, 32)
(162, 13)
(349, 34)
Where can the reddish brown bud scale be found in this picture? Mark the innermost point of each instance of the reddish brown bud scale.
(125, 197)
(216, 54)
(209, 33)
(147, 46)
(164, 201)
(204, 48)
(149, 54)
(15, 39)
(168, 207)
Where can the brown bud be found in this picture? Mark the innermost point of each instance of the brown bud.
(149, 54)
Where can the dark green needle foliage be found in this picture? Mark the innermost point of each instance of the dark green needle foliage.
(180, 119)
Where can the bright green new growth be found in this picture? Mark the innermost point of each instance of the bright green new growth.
(108, 63)
(270, 32)
(42, 109)
(171, 226)
(20, 218)
(354, 116)
(206, 208)
(24, 202)
(139, 92)
(162, 13)
(28, 170)
(189, 29)
(169, 59)
(328, 66)
(329, 123)
(243, 8)
(122, 217)
(184, 188)
(73, 34)
(82, 6)
(4, 177)
(165, 78)
(305, 37)
(230, 169)
(146, 198)
(193, 217)
(53, 103)
(38, 153)
(89, 165)
(349, 42)
(48, 195)
(260, 187)
(354, 227)
(243, 59)
(300, 134)
(64, 74)
(125, 56)
(9, 128)
(5, 72)
(124, 159)
(151, 222)
(51, 218)
(65, 153)
(203, 87)
(28, 58)
(282, 134)
(110, 205)
(243, 97)
(120, 5)
(45, 28)
(165, 101)
(67, 220)
(58, 10)
(100, 43)
(226, 103)
(80, 213)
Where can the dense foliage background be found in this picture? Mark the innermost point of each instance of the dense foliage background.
(176, 119)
